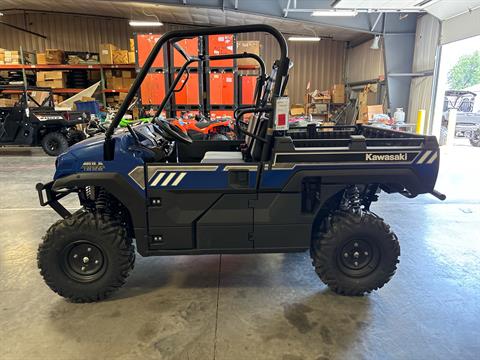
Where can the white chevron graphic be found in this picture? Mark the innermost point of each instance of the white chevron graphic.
(172, 179)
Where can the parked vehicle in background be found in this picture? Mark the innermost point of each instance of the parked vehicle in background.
(468, 122)
(33, 121)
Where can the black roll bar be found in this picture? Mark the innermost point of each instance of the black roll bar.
(283, 67)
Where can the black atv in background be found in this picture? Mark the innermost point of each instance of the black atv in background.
(33, 121)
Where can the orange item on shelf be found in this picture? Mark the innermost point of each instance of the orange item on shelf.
(221, 89)
(145, 44)
(189, 94)
(248, 89)
(191, 48)
(152, 90)
(220, 45)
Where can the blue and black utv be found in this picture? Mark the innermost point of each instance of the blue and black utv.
(276, 191)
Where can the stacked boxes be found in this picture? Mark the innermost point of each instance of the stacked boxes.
(41, 59)
(110, 54)
(119, 80)
(52, 79)
(9, 57)
(106, 53)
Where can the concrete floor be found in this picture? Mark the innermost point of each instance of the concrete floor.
(253, 306)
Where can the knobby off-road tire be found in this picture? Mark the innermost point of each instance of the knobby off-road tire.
(86, 256)
(354, 253)
(54, 143)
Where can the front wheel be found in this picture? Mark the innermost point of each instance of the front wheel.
(475, 138)
(354, 253)
(85, 257)
(54, 143)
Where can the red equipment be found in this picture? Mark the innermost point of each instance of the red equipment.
(202, 129)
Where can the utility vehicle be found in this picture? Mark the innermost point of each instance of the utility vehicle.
(35, 122)
(271, 193)
(467, 122)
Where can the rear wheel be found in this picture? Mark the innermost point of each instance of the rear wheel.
(85, 257)
(354, 253)
(54, 143)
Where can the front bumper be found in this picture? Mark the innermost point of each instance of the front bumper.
(51, 198)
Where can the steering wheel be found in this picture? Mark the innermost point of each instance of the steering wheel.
(173, 131)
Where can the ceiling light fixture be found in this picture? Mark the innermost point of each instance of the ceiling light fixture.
(375, 43)
(335, 13)
(304, 38)
(144, 23)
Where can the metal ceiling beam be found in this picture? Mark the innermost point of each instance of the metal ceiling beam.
(275, 9)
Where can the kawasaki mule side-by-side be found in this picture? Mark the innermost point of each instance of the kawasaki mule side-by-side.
(32, 122)
(152, 186)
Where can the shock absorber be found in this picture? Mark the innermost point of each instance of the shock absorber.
(101, 202)
(351, 200)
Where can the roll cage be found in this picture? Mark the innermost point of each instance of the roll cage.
(276, 88)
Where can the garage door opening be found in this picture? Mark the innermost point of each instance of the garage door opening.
(457, 111)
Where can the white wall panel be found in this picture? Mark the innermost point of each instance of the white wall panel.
(364, 63)
(426, 44)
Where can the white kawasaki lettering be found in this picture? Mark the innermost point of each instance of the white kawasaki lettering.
(386, 157)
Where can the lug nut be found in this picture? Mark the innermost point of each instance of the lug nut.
(75, 256)
(346, 255)
(83, 268)
(85, 260)
(355, 263)
(366, 253)
(355, 244)
(96, 261)
(89, 249)
(356, 254)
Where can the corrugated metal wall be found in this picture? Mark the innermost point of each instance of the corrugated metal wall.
(426, 43)
(320, 63)
(364, 63)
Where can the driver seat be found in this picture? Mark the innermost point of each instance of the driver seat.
(253, 149)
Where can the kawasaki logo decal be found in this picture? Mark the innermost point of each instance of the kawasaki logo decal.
(386, 157)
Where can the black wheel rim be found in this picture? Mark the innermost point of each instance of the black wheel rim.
(53, 145)
(358, 258)
(84, 261)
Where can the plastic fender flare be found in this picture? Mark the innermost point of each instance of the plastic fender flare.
(116, 185)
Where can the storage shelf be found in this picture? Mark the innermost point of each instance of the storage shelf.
(115, 90)
(66, 67)
(55, 91)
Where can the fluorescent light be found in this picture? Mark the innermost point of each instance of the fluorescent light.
(144, 23)
(334, 13)
(304, 38)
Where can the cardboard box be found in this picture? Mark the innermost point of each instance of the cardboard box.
(51, 75)
(106, 53)
(132, 45)
(116, 83)
(41, 59)
(120, 56)
(297, 109)
(373, 110)
(131, 57)
(54, 56)
(127, 83)
(54, 84)
(127, 74)
(338, 93)
(251, 46)
(7, 102)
